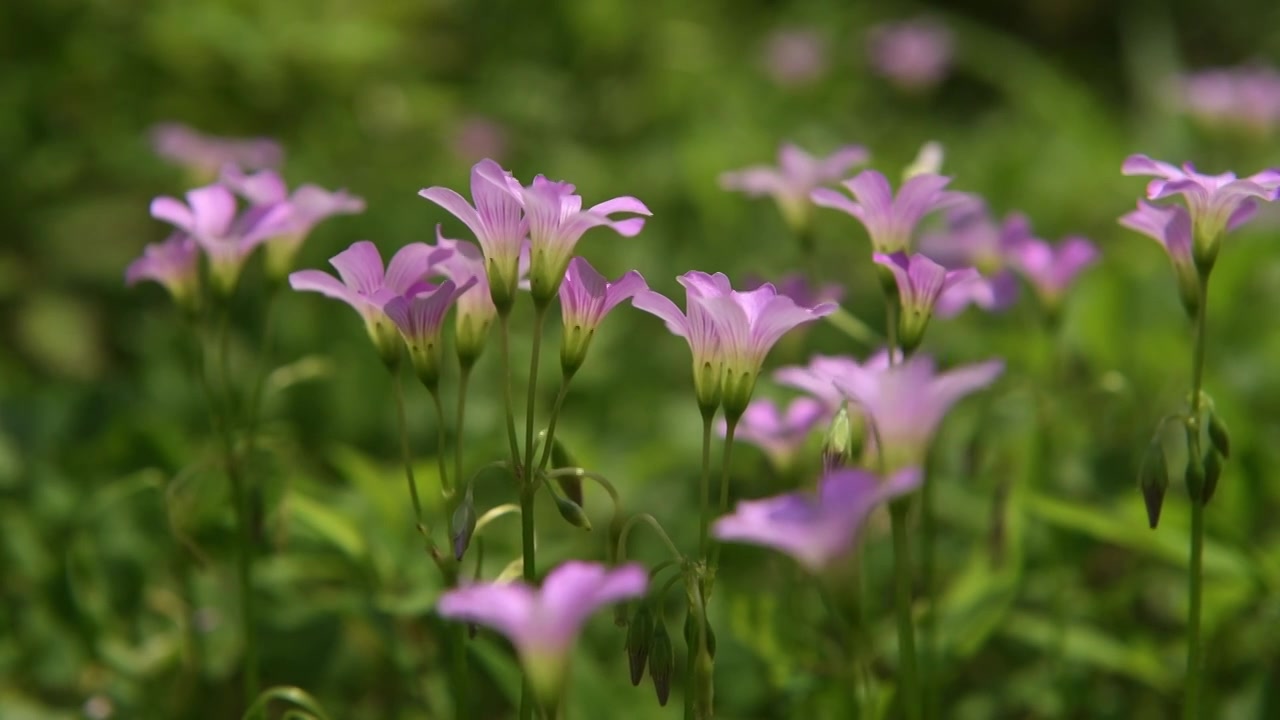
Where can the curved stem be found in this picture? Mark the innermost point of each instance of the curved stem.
(657, 527)
(705, 485)
(1195, 651)
(551, 423)
(405, 455)
(909, 684)
(445, 486)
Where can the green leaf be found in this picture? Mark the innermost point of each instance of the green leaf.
(329, 525)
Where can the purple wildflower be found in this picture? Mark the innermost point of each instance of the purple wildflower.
(309, 205)
(797, 287)
(556, 223)
(1217, 203)
(585, 298)
(748, 324)
(795, 57)
(905, 403)
(797, 175)
(972, 238)
(368, 288)
(543, 624)
(1052, 268)
(419, 316)
(476, 310)
(818, 377)
(816, 529)
(209, 216)
(921, 282)
(477, 137)
(1247, 97)
(890, 221)
(697, 326)
(779, 434)
(207, 154)
(174, 263)
(497, 221)
(914, 54)
(1170, 225)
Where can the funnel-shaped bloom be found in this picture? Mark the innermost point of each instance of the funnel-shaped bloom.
(798, 173)
(697, 326)
(462, 263)
(818, 377)
(779, 434)
(921, 282)
(209, 216)
(1217, 203)
(419, 316)
(1052, 268)
(973, 238)
(585, 298)
(914, 54)
(750, 323)
(543, 623)
(498, 222)
(309, 205)
(207, 154)
(174, 263)
(905, 403)
(816, 529)
(890, 221)
(1170, 225)
(556, 223)
(367, 287)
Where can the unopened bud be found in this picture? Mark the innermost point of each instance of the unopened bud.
(1212, 472)
(571, 485)
(691, 634)
(1154, 480)
(1194, 478)
(1218, 435)
(837, 448)
(639, 638)
(462, 525)
(927, 161)
(662, 659)
(572, 512)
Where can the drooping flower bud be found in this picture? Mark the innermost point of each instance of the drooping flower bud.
(662, 660)
(1218, 436)
(1212, 472)
(462, 526)
(691, 635)
(571, 485)
(639, 637)
(572, 513)
(1154, 480)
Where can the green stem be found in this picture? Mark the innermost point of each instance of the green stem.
(551, 423)
(260, 375)
(731, 426)
(505, 322)
(1195, 650)
(405, 455)
(445, 486)
(464, 377)
(891, 328)
(704, 492)
(849, 630)
(909, 683)
(928, 531)
(527, 494)
(244, 520)
(657, 527)
(539, 316)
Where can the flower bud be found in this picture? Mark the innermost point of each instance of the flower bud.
(662, 660)
(1153, 480)
(1212, 472)
(572, 512)
(1194, 478)
(571, 485)
(462, 525)
(1218, 435)
(843, 443)
(639, 638)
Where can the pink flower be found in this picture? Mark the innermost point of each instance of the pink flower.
(463, 263)
(367, 287)
(921, 282)
(795, 57)
(972, 238)
(1052, 268)
(818, 529)
(544, 623)
(174, 263)
(585, 298)
(207, 154)
(419, 316)
(914, 54)
(1247, 97)
(1170, 225)
(890, 220)
(797, 175)
(779, 434)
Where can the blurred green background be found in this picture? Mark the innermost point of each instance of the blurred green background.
(116, 578)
